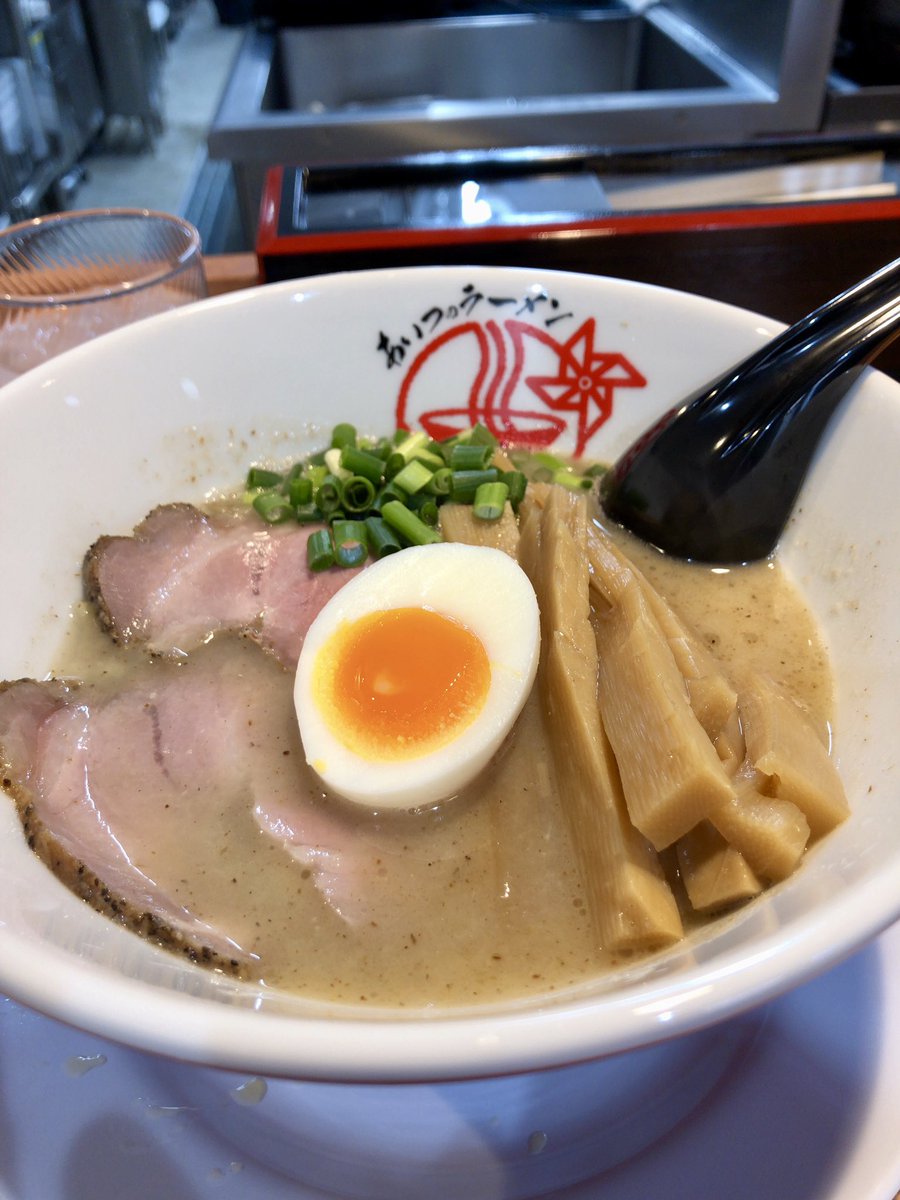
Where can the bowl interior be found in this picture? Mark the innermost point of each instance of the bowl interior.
(177, 406)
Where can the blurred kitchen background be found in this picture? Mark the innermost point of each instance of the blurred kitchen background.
(555, 111)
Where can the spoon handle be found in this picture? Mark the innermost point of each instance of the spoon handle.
(718, 483)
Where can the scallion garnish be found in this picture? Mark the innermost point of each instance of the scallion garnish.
(363, 462)
(567, 478)
(410, 443)
(320, 550)
(262, 477)
(413, 477)
(382, 539)
(464, 484)
(334, 465)
(300, 491)
(427, 456)
(516, 483)
(389, 492)
(408, 525)
(350, 542)
(273, 507)
(328, 496)
(551, 461)
(430, 513)
(480, 435)
(357, 494)
(380, 494)
(490, 500)
(343, 434)
(466, 457)
(439, 483)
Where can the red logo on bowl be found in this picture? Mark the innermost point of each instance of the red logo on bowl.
(526, 385)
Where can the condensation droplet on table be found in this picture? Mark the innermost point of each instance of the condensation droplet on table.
(250, 1092)
(80, 1064)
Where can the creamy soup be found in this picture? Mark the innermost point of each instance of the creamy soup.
(475, 900)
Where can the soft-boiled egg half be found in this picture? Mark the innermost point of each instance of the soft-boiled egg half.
(414, 672)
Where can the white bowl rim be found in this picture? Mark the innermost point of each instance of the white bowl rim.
(433, 1047)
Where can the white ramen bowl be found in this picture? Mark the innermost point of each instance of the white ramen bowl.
(181, 404)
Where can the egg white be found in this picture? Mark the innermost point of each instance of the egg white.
(483, 589)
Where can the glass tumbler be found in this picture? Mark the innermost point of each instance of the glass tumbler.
(71, 276)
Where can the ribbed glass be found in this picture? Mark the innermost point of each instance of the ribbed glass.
(67, 278)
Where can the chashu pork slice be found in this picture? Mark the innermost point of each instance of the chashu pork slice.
(116, 784)
(185, 575)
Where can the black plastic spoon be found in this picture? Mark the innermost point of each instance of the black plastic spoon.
(716, 479)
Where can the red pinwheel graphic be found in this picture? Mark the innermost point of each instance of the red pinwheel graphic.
(525, 385)
(585, 382)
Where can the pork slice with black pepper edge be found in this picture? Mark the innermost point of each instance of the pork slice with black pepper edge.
(184, 576)
(113, 782)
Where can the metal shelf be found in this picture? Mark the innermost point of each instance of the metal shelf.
(56, 108)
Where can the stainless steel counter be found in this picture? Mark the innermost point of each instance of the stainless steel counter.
(672, 73)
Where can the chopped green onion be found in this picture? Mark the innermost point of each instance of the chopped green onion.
(466, 457)
(319, 550)
(410, 443)
(595, 470)
(333, 463)
(382, 539)
(480, 435)
(343, 435)
(316, 473)
(350, 542)
(328, 496)
(550, 461)
(273, 507)
(300, 491)
(357, 494)
(490, 500)
(516, 483)
(398, 483)
(394, 464)
(361, 462)
(427, 456)
(567, 478)
(439, 483)
(464, 484)
(389, 492)
(414, 476)
(428, 512)
(407, 524)
(261, 477)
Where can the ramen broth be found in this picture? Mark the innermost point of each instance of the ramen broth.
(470, 902)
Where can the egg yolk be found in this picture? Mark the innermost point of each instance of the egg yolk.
(400, 683)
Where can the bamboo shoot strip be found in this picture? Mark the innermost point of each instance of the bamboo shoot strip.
(715, 875)
(783, 745)
(459, 524)
(713, 698)
(631, 903)
(671, 774)
(770, 833)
